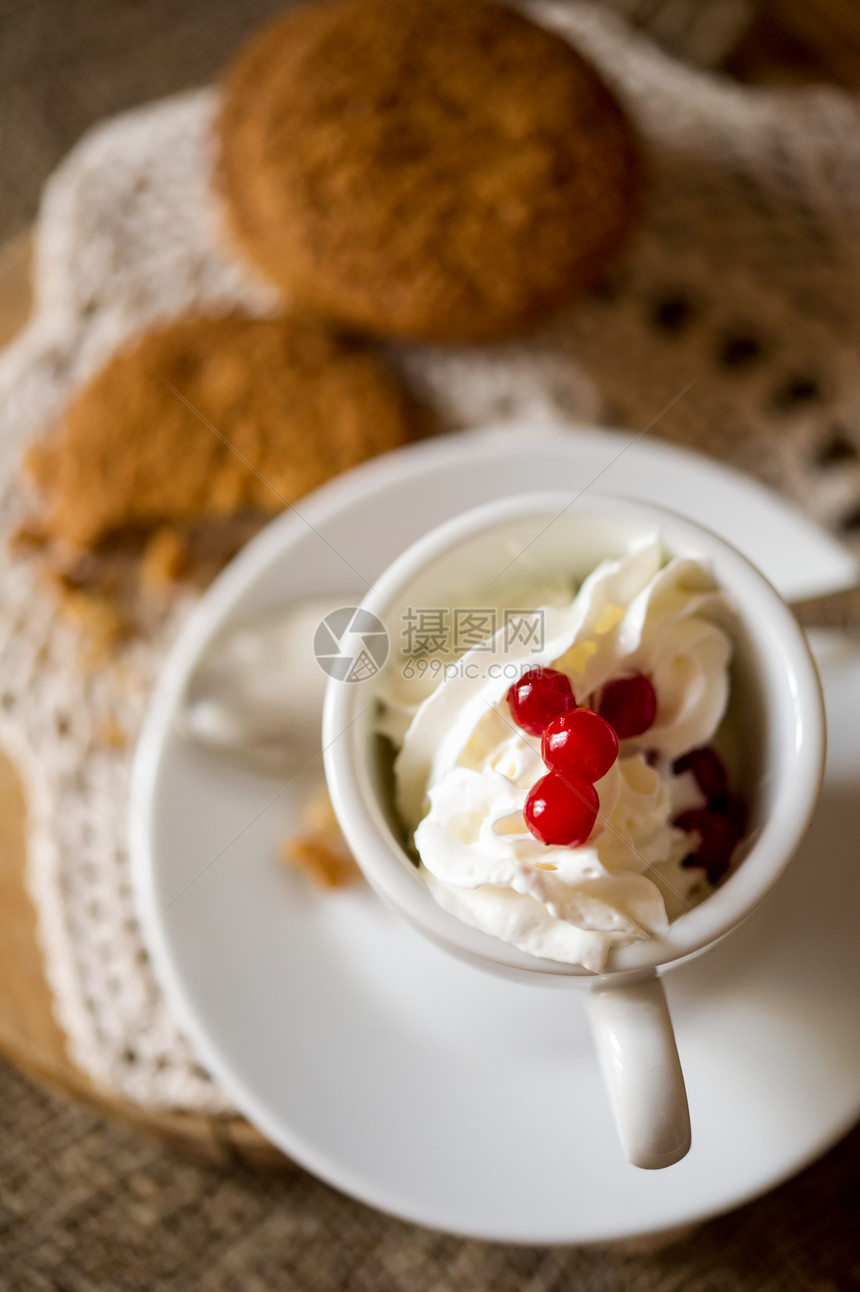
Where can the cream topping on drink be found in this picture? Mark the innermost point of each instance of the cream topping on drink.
(610, 839)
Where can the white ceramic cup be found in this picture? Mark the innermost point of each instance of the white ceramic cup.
(775, 705)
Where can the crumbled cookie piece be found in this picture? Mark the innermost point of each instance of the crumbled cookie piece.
(30, 536)
(166, 558)
(102, 625)
(111, 734)
(208, 418)
(439, 169)
(319, 848)
(324, 857)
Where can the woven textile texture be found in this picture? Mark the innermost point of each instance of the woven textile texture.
(86, 1208)
(742, 280)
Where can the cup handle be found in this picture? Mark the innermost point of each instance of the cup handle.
(635, 1045)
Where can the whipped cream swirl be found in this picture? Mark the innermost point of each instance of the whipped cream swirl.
(464, 768)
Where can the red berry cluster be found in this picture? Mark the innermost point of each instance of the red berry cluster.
(629, 705)
(720, 826)
(578, 746)
(538, 696)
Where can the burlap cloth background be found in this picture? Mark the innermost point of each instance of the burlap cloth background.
(85, 1206)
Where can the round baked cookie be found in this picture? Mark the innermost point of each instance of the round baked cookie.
(211, 417)
(437, 169)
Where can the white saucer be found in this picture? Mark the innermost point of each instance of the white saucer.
(414, 1082)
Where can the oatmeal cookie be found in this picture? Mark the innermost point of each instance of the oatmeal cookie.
(210, 417)
(438, 169)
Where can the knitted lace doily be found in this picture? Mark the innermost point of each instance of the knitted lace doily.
(744, 276)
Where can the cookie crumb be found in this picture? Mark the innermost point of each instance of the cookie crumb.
(30, 536)
(102, 626)
(319, 849)
(166, 559)
(112, 735)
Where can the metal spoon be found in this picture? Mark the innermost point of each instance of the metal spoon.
(257, 692)
(833, 610)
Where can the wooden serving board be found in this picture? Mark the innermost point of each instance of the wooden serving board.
(30, 1036)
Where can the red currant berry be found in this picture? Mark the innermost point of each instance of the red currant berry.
(708, 769)
(718, 837)
(561, 810)
(629, 705)
(580, 743)
(540, 695)
(736, 811)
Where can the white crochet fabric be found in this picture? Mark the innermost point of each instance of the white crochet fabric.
(744, 275)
